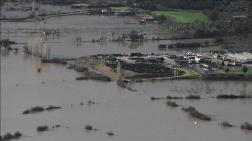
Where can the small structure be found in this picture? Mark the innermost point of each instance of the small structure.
(240, 57)
(80, 5)
(239, 17)
(144, 17)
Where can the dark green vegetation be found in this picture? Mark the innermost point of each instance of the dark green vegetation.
(188, 4)
(221, 5)
(207, 18)
(235, 72)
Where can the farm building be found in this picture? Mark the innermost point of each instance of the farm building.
(240, 57)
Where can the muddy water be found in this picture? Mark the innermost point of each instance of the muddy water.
(90, 28)
(130, 115)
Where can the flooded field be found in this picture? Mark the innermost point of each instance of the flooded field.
(90, 28)
(129, 115)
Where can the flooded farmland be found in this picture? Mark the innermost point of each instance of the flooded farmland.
(89, 28)
(130, 115)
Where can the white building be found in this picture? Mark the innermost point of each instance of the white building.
(240, 57)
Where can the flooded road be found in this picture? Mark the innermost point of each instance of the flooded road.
(132, 116)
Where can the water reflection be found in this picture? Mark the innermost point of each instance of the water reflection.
(243, 90)
(5, 52)
(135, 45)
(36, 63)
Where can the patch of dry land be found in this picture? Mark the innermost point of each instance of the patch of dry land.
(133, 67)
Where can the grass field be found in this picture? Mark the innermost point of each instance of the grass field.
(238, 70)
(120, 9)
(189, 72)
(184, 16)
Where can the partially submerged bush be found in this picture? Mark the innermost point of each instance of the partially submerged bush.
(99, 77)
(40, 109)
(26, 112)
(246, 126)
(17, 134)
(173, 97)
(51, 107)
(8, 136)
(194, 113)
(89, 127)
(81, 78)
(42, 128)
(90, 102)
(172, 104)
(110, 133)
(56, 126)
(156, 98)
(37, 109)
(226, 124)
(231, 96)
(192, 97)
(34, 110)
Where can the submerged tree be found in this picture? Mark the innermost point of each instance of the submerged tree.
(135, 36)
(227, 70)
(161, 19)
(244, 69)
(214, 15)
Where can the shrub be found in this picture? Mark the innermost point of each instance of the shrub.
(89, 128)
(244, 69)
(42, 128)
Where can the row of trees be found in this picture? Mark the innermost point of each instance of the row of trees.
(180, 4)
(244, 69)
(189, 4)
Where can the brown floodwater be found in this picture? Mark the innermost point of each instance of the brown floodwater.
(130, 115)
(90, 28)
